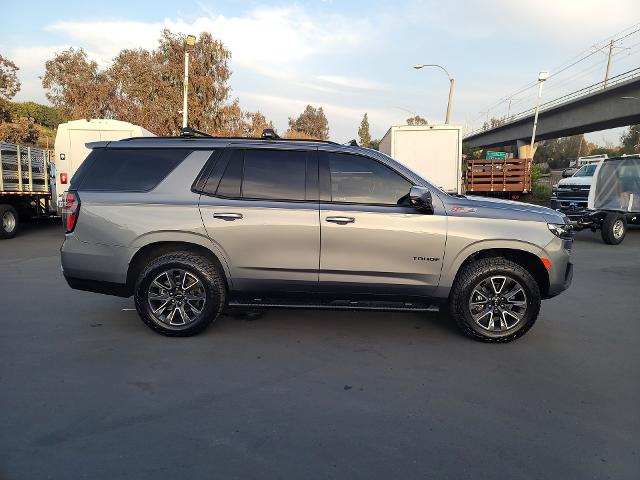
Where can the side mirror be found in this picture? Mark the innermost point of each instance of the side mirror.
(565, 173)
(420, 199)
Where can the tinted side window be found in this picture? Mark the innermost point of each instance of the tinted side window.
(274, 174)
(231, 181)
(136, 169)
(357, 179)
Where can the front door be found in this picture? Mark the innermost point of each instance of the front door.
(372, 240)
(261, 212)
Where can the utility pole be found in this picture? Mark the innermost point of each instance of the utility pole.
(190, 42)
(185, 89)
(606, 75)
(448, 118)
(541, 79)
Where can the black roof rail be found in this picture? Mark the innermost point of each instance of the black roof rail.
(268, 134)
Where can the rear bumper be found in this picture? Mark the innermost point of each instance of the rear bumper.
(92, 261)
(98, 286)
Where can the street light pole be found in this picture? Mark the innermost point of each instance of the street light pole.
(541, 79)
(451, 84)
(191, 41)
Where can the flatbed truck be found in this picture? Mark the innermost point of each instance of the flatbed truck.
(25, 186)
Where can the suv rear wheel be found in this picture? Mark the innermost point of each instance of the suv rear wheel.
(179, 294)
(495, 300)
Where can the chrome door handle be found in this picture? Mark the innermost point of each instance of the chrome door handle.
(228, 216)
(340, 220)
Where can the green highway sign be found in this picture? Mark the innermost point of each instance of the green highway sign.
(496, 155)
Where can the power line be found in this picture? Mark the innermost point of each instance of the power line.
(582, 56)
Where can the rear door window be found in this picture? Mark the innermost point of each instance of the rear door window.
(274, 174)
(265, 174)
(133, 170)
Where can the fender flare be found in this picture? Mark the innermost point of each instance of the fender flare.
(192, 238)
(450, 268)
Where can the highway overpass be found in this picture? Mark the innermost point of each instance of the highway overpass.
(590, 109)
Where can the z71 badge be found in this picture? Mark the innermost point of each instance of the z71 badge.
(460, 209)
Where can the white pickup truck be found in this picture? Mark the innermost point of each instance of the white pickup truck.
(570, 195)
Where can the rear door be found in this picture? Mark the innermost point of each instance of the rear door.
(260, 208)
(373, 241)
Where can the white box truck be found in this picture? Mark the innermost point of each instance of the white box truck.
(432, 151)
(70, 149)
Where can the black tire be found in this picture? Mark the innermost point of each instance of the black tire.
(213, 290)
(9, 221)
(614, 228)
(483, 270)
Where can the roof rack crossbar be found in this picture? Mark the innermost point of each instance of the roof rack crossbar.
(192, 132)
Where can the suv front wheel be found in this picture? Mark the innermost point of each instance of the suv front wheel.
(495, 300)
(179, 294)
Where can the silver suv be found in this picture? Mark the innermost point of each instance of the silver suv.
(189, 226)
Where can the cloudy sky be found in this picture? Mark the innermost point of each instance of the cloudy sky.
(351, 57)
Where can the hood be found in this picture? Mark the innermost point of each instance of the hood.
(582, 181)
(485, 207)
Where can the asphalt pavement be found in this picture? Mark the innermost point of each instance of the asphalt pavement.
(88, 391)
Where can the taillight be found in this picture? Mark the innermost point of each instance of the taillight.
(70, 211)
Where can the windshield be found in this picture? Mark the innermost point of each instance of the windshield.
(586, 170)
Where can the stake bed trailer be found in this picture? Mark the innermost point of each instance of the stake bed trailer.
(25, 185)
(510, 176)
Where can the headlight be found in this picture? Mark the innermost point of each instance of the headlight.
(554, 188)
(561, 230)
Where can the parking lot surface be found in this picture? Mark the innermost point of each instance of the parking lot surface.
(88, 391)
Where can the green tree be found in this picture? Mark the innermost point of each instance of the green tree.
(9, 85)
(44, 115)
(21, 130)
(630, 140)
(558, 152)
(13, 128)
(76, 87)
(363, 132)
(144, 87)
(416, 120)
(312, 123)
(375, 144)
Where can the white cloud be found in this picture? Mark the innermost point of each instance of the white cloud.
(264, 36)
(31, 61)
(350, 82)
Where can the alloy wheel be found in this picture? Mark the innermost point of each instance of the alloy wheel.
(176, 297)
(498, 303)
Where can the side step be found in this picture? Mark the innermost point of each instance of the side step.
(384, 306)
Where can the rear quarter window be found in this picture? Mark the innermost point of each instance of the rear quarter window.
(132, 170)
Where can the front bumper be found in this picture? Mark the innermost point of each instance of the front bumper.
(558, 251)
(573, 208)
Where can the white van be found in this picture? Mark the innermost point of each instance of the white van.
(70, 149)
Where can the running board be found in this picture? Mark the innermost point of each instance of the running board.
(336, 305)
